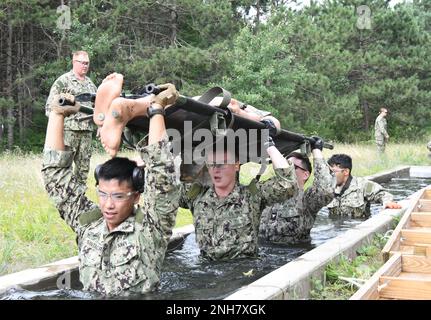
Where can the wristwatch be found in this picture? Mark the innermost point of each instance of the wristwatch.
(151, 111)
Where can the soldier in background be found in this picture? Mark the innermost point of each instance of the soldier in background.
(77, 134)
(226, 215)
(380, 130)
(354, 195)
(291, 221)
(121, 245)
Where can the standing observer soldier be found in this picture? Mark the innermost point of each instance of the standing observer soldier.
(354, 195)
(291, 221)
(77, 134)
(121, 245)
(380, 130)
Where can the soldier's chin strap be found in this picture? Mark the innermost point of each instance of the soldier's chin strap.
(263, 166)
(345, 187)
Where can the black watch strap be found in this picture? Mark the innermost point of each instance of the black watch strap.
(151, 111)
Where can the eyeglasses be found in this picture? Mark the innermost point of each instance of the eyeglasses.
(116, 197)
(85, 63)
(337, 170)
(216, 165)
(298, 167)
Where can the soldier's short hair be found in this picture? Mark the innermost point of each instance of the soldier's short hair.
(78, 53)
(305, 161)
(342, 160)
(118, 168)
(383, 110)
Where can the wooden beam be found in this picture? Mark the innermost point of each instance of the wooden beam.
(424, 205)
(404, 223)
(413, 263)
(415, 236)
(369, 290)
(404, 288)
(420, 219)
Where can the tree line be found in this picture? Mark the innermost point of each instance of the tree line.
(324, 69)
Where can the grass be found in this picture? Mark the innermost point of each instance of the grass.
(340, 276)
(32, 233)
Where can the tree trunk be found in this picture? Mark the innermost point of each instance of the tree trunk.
(10, 109)
(366, 115)
(174, 23)
(257, 20)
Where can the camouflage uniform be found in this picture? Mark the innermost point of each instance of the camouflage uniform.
(129, 258)
(292, 220)
(77, 134)
(228, 228)
(380, 133)
(357, 198)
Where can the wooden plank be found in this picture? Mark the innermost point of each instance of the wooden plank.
(415, 235)
(404, 288)
(395, 238)
(418, 264)
(369, 290)
(424, 205)
(427, 193)
(422, 219)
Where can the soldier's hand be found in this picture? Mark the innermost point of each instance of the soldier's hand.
(167, 96)
(316, 143)
(70, 107)
(393, 205)
(270, 126)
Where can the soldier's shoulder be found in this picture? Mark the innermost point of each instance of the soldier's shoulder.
(194, 190)
(90, 216)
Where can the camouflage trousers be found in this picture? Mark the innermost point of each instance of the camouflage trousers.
(381, 145)
(80, 143)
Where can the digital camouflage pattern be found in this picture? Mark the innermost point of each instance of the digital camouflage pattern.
(81, 143)
(292, 220)
(129, 258)
(228, 228)
(77, 134)
(356, 200)
(68, 82)
(381, 133)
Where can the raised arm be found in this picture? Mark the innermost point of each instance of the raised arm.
(59, 181)
(162, 172)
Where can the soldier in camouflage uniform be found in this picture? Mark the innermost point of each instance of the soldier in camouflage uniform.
(226, 214)
(353, 195)
(77, 134)
(290, 222)
(121, 245)
(380, 130)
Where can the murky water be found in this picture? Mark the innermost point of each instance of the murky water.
(186, 276)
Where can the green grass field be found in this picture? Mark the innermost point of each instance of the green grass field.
(32, 233)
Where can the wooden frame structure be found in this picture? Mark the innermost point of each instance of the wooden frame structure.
(406, 273)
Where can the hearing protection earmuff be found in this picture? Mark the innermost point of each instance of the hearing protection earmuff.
(138, 178)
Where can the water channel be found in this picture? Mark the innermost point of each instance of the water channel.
(186, 276)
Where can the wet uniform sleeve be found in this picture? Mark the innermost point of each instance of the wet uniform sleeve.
(322, 191)
(162, 186)
(375, 193)
(63, 188)
(280, 187)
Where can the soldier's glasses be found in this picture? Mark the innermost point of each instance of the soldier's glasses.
(298, 167)
(216, 165)
(85, 63)
(117, 196)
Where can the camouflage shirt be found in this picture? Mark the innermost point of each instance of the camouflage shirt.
(70, 82)
(227, 228)
(357, 198)
(292, 220)
(380, 128)
(129, 258)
